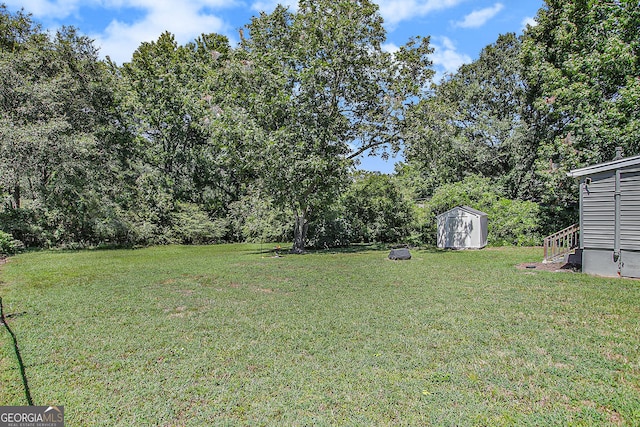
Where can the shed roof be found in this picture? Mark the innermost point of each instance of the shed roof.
(604, 167)
(467, 209)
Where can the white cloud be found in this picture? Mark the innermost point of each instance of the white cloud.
(119, 40)
(393, 11)
(390, 47)
(186, 20)
(396, 11)
(45, 8)
(478, 18)
(446, 59)
(269, 5)
(528, 21)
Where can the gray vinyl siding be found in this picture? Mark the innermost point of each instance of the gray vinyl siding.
(598, 217)
(630, 211)
(598, 211)
(631, 169)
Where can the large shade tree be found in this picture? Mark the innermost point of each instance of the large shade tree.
(582, 67)
(474, 124)
(167, 101)
(58, 129)
(189, 157)
(323, 91)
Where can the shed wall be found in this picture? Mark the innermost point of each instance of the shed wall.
(484, 231)
(459, 229)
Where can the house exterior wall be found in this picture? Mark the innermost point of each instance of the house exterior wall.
(598, 211)
(598, 223)
(599, 262)
(630, 223)
(630, 210)
(630, 266)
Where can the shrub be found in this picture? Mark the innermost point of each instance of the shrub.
(331, 229)
(474, 191)
(511, 222)
(514, 222)
(191, 225)
(377, 210)
(9, 245)
(24, 224)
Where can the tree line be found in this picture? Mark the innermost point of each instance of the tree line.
(205, 142)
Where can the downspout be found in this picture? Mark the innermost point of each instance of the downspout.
(616, 233)
(584, 188)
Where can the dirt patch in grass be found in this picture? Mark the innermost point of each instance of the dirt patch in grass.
(559, 267)
(177, 311)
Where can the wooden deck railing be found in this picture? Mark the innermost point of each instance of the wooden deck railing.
(562, 242)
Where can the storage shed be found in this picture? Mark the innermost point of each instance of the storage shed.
(462, 228)
(610, 217)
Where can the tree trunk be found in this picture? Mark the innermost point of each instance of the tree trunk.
(16, 196)
(300, 233)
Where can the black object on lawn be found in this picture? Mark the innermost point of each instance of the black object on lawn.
(400, 254)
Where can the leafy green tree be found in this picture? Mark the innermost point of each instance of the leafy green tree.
(473, 123)
(167, 103)
(255, 218)
(581, 63)
(190, 155)
(58, 130)
(324, 92)
(377, 209)
(191, 225)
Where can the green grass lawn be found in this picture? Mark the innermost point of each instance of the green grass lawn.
(225, 335)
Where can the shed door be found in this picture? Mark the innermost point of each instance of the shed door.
(458, 233)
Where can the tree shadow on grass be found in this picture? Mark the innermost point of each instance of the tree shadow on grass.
(282, 251)
(351, 249)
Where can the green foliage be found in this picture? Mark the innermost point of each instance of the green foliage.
(321, 85)
(168, 110)
(582, 63)
(473, 124)
(203, 142)
(377, 209)
(373, 209)
(255, 218)
(514, 222)
(510, 222)
(9, 245)
(24, 225)
(191, 225)
(475, 191)
(332, 229)
(61, 140)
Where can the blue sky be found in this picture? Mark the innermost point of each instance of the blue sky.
(459, 29)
